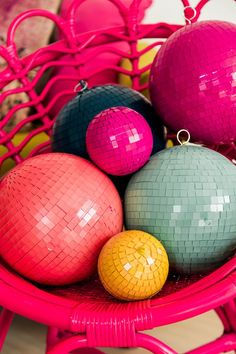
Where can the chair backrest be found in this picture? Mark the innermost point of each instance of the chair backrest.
(34, 87)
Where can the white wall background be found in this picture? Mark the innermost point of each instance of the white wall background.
(171, 11)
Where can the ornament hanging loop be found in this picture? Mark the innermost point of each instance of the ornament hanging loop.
(182, 141)
(81, 86)
(189, 19)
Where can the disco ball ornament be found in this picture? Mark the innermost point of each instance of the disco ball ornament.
(57, 211)
(186, 197)
(119, 141)
(70, 127)
(197, 90)
(133, 265)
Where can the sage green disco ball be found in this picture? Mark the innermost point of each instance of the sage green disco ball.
(186, 197)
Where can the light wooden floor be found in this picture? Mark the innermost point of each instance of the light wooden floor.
(27, 337)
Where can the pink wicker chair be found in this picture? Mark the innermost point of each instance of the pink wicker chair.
(84, 315)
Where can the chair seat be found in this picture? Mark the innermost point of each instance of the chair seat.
(92, 291)
(73, 308)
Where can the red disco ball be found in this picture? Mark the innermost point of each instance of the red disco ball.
(56, 213)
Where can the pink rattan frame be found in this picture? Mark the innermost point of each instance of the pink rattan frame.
(91, 319)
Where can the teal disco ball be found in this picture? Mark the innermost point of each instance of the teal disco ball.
(186, 197)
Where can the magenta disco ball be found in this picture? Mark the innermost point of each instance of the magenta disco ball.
(193, 81)
(119, 141)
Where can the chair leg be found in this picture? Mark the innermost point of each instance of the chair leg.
(87, 351)
(230, 310)
(227, 315)
(54, 336)
(6, 318)
(153, 345)
(73, 344)
(76, 344)
(223, 344)
(223, 317)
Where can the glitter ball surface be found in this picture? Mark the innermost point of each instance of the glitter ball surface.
(186, 197)
(56, 213)
(133, 265)
(193, 81)
(119, 141)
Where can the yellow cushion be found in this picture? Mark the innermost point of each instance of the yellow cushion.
(18, 138)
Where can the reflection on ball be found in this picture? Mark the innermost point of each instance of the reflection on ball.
(133, 265)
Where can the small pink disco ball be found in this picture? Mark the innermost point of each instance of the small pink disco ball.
(193, 81)
(119, 141)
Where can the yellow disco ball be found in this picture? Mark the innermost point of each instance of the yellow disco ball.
(133, 265)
